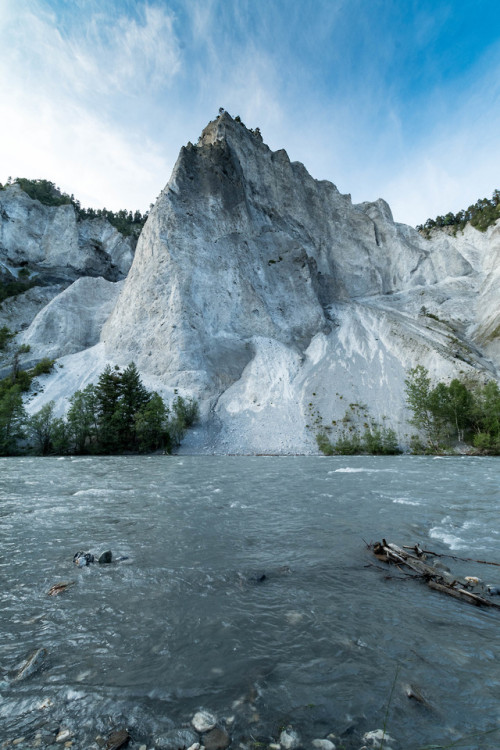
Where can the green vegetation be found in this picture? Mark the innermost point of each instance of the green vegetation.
(481, 215)
(350, 437)
(5, 336)
(375, 439)
(13, 288)
(116, 415)
(459, 411)
(46, 192)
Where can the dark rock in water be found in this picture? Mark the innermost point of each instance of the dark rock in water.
(82, 559)
(258, 578)
(216, 739)
(493, 590)
(117, 739)
(33, 663)
(176, 739)
(105, 558)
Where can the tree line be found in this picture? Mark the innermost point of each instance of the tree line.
(481, 215)
(459, 411)
(126, 222)
(116, 415)
(463, 411)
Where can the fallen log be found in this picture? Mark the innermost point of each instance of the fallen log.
(451, 557)
(436, 579)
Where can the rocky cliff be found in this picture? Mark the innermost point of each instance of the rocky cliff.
(274, 300)
(70, 269)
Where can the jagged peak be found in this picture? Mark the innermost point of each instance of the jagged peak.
(224, 127)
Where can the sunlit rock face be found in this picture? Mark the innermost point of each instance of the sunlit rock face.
(279, 304)
(244, 244)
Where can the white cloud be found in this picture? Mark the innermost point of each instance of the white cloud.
(103, 107)
(69, 102)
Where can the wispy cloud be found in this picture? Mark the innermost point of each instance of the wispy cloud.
(70, 101)
(383, 98)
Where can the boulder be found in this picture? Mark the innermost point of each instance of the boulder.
(216, 739)
(203, 721)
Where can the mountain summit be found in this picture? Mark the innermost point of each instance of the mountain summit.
(277, 302)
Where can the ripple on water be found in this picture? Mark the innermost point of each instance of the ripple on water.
(204, 613)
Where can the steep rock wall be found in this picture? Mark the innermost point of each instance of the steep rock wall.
(283, 307)
(54, 245)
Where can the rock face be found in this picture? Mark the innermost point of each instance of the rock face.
(72, 321)
(54, 246)
(74, 268)
(277, 303)
(244, 245)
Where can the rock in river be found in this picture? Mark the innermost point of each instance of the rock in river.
(216, 739)
(176, 739)
(203, 721)
(33, 663)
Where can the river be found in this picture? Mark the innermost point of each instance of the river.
(248, 590)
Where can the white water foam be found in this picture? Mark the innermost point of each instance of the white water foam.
(352, 470)
(349, 470)
(92, 491)
(454, 542)
(403, 501)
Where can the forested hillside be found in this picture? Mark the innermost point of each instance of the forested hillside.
(481, 215)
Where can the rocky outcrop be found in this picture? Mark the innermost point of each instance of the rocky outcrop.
(52, 245)
(243, 244)
(279, 304)
(72, 321)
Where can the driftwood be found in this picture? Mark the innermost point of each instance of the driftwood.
(416, 561)
(58, 588)
(421, 551)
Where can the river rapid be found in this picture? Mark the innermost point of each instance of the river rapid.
(248, 591)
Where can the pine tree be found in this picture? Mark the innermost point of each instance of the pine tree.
(108, 391)
(151, 425)
(12, 420)
(133, 397)
(83, 419)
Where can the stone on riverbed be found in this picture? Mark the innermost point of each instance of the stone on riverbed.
(289, 739)
(176, 739)
(33, 663)
(378, 738)
(203, 721)
(323, 745)
(216, 739)
(118, 739)
(64, 735)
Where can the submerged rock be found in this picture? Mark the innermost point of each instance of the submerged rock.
(216, 739)
(33, 663)
(64, 735)
(378, 738)
(117, 739)
(323, 744)
(289, 739)
(176, 739)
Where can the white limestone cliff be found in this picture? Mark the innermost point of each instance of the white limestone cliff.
(73, 320)
(52, 243)
(276, 302)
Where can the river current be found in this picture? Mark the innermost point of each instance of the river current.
(248, 591)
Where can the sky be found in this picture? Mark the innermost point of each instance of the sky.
(398, 99)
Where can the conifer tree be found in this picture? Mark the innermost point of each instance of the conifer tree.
(12, 420)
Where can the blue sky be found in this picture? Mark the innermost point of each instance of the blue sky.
(397, 99)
